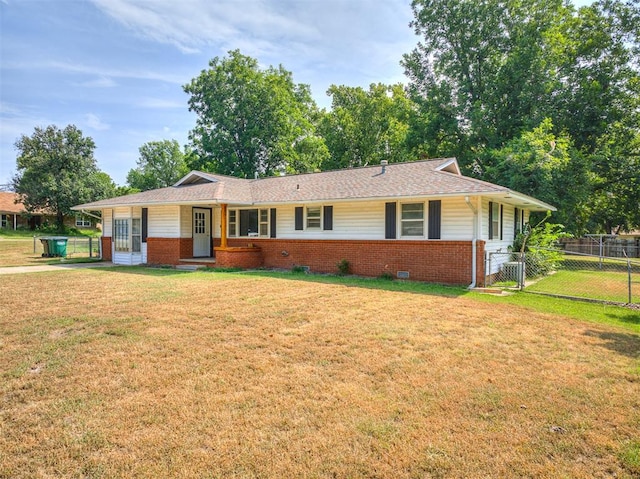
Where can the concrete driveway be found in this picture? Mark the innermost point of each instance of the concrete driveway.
(52, 267)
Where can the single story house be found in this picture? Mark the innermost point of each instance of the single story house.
(14, 215)
(420, 220)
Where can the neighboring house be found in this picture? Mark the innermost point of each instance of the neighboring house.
(13, 215)
(421, 220)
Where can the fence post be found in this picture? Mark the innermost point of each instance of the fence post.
(485, 276)
(629, 277)
(90, 247)
(522, 270)
(34, 244)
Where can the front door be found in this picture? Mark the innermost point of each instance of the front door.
(201, 232)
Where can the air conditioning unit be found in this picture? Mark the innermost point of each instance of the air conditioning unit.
(514, 271)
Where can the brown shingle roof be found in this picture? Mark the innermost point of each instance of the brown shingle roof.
(397, 180)
(8, 203)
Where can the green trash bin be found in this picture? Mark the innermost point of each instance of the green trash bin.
(58, 246)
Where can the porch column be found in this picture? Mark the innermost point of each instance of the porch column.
(15, 222)
(223, 225)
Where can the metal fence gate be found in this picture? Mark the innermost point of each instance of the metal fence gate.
(566, 274)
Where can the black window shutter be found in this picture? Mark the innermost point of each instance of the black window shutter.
(516, 222)
(435, 217)
(272, 223)
(299, 218)
(501, 218)
(490, 219)
(327, 218)
(145, 219)
(390, 220)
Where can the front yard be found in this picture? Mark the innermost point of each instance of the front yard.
(132, 372)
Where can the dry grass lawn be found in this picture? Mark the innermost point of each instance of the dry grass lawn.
(19, 252)
(128, 372)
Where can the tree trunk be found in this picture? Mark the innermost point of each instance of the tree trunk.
(59, 221)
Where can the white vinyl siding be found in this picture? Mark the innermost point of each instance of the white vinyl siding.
(164, 222)
(107, 220)
(457, 220)
(497, 244)
(357, 220)
(186, 221)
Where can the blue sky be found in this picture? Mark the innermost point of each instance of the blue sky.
(115, 68)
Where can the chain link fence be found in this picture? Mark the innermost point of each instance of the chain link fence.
(566, 274)
(76, 246)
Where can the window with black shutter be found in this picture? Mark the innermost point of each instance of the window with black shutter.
(390, 220)
(435, 218)
(272, 224)
(299, 218)
(145, 221)
(327, 218)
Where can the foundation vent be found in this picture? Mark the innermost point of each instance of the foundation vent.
(402, 274)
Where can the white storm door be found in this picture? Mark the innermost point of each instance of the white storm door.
(201, 232)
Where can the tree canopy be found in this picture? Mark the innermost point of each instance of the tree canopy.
(161, 164)
(252, 120)
(56, 170)
(365, 127)
(491, 77)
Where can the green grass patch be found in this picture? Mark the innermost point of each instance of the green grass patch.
(584, 311)
(27, 233)
(630, 457)
(602, 285)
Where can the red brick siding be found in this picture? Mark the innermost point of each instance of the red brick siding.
(436, 261)
(168, 250)
(239, 259)
(106, 248)
(447, 262)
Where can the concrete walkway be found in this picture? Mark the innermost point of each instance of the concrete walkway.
(52, 267)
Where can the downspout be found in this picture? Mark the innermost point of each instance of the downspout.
(474, 246)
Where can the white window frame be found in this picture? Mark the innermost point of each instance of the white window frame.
(133, 241)
(233, 223)
(495, 220)
(310, 220)
(121, 235)
(136, 235)
(263, 222)
(406, 221)
(83, 221)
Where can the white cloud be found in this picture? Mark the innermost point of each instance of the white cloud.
(94, 122)
(358, 36)
(99, 72)
(100, 82)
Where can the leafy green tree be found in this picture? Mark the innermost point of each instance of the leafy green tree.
(56, 170)
(365, 127)
(252, 120)
(546, 166)
(615, 192)
(161, 164)
(487, 74)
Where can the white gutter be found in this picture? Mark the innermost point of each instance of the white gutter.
(87, 213)
(474, 246)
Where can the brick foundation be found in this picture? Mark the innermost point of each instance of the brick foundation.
(168, 250)
(246, 258)
(436, 261)
(106, 248)
(447, 262)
